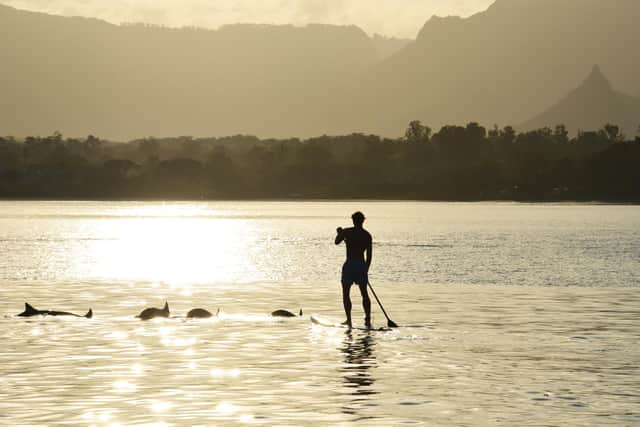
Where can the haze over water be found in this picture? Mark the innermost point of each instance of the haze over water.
(510, 314)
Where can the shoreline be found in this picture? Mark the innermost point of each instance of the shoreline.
(330, 199)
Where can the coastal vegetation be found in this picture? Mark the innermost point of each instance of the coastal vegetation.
(455, 163)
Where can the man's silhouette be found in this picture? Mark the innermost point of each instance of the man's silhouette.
(356, 267)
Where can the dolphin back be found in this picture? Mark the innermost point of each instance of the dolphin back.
(153, 312)
(29, 310)
(282, 313)
(199, 313)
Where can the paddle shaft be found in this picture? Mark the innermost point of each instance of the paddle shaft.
(389, 321)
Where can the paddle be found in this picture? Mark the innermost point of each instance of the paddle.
(390, 323)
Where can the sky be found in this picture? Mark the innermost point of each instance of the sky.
(393, 18)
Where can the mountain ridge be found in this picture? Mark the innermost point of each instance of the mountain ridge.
(84, 75)
(503, 65)
(589, 107)
(507, 63)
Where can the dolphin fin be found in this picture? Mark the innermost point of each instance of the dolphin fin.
(300, 312)
(166, 307)
(89, 314)
(29, 311)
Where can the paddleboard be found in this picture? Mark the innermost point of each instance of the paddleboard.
(317, 320)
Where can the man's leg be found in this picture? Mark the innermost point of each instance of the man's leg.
(346, 301)
(366, 304)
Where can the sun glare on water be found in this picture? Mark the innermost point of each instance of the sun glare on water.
(176, 245)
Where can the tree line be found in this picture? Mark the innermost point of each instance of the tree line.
(456, 163)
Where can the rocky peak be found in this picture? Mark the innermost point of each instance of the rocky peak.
(597, 82)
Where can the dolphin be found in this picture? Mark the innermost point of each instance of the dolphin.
(29, 311)
(153, 312)
(200, 313)
(284, 313)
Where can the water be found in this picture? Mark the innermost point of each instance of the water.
(511, 315)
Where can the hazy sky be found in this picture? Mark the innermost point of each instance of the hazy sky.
(400, 18)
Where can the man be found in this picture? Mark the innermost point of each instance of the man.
(356, 267)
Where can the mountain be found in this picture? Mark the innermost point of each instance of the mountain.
(81, 76)
(589, 107)
(502, 65)
(388, 46)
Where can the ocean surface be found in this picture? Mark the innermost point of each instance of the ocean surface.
(509, 314)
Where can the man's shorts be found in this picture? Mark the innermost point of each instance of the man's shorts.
(354, 271)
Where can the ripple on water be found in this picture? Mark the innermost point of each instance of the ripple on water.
(509, 352)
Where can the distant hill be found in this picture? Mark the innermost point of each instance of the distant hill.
(503, 66)
(590, 106)
(81, 76)
(388, 46)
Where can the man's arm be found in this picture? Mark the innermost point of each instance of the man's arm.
(339, 236)
(369, 253)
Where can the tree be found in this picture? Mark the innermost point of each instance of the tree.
(417, 132)
(561, 134)
(475, 132)
(502, 140)
(56, 137)
(494, 133)
(93, 148)
(613, 133)
(508, 134)
(148, 147)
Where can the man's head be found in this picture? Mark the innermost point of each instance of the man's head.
(358, 219)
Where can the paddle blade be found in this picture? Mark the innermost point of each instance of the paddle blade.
(391, 323)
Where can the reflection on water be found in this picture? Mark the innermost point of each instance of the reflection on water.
(186, 245)
(463, 355)
(170, 250)
(359, 359)
(552, 337)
